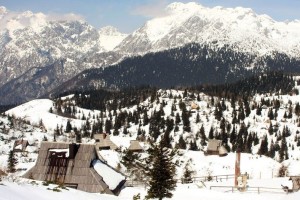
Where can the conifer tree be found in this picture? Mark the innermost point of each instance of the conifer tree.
(258, 110)
(12, 162)
(193, 146)
(108, 126)
(68, 127)
(177, 118)
(271, 130)
(197, 118)
(202, 136)
(187, 174)
(211, 133)
(130, 161)
(272, 150)
(181, 143)
(263, 150)
(161, 171)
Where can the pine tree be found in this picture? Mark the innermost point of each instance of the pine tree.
(271, 130)
(258, 110)
(263, 150)
(12, 162)
(197, 118)
(68, 127)
(108, 126)
(193, 146)
(130, 161)
(177, 118)
(181, 143)
(161, 171)
(283, 151)
(272, 150)
(211, 133)
(187, 174)
(202, 136)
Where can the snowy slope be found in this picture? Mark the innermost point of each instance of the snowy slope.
(240, 28)
(38, 112)
(261, 170)
(110, 37)
(28, 191)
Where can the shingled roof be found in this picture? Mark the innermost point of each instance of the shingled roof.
(72, 165)
(135, 146)
(215, 147)
(103, 142)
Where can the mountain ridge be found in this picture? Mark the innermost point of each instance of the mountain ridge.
(34, 40)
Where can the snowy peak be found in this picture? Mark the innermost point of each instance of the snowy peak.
(12, 21)
(30, 41)
(110, 37)
(178, 7)
(238, 27)
(110, 31)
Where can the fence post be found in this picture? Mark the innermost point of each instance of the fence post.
(258, 190)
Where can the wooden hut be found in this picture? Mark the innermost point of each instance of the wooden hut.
(215, 147)
(73, 165)
(296, 182)
(2, 173)
(103, 141)
(194, 105)
(20, 145)
(135, 146)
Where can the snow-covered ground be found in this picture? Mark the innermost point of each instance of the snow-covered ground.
(27, 190)
(36, 123)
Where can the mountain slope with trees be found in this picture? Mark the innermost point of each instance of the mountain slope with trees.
(187, 66)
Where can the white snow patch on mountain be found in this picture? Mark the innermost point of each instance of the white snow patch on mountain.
(110, 37)
(238, 27)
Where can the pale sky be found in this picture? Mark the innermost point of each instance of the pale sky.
(128, 15)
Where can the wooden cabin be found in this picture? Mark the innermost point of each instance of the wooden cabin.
(20, 145)
(2, 173)
(103, 141)
(215, 147)
(135, 146)
(194, 106)
(296, 182)
(77, 166)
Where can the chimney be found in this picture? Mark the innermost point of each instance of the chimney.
(73, 148)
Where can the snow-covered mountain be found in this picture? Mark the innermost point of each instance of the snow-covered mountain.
(34, 40)
(30, 40)
(110, 37)
(240, 28)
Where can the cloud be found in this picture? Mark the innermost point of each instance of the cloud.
(64, 17)
(12, 20)
(154, 9)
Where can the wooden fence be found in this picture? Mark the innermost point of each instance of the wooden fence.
(218, 178)
(249, 189)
